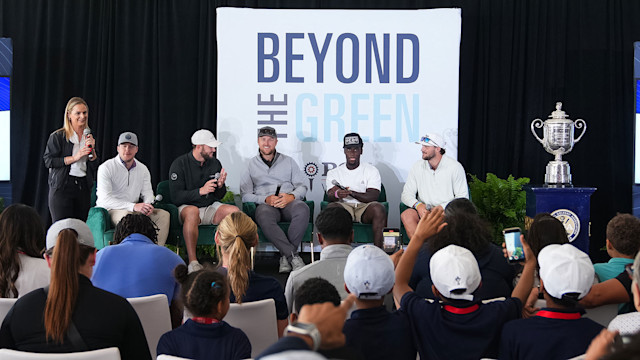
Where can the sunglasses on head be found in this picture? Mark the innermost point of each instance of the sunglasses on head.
(426, 139)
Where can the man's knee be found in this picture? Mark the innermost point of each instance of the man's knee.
(409, 216)
(222, 212)
(190, 214)
(266, 214)
(378, 212)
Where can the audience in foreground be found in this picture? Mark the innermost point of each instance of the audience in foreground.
(622, 243)
(71, 314)
(558, 331)
(136, 266)
(372, 330)
(441, 329)
(205, 294)
(236, 234)
(22, 269)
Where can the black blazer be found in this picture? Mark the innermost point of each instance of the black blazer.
(57, 148)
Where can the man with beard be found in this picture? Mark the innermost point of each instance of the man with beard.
(277, 185)
(356, 187)
(197, 185)
(433, 181)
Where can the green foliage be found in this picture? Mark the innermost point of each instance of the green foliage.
(501, 202)
(203, 252)
(229, 197)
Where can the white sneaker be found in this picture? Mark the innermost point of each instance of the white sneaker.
(194, 266)
(284, 265)
(297, 262)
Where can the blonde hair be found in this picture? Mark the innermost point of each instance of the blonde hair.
(66, 123)
(236, 234)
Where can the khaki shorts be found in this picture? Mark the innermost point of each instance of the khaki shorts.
(356, 209)
(206, 213)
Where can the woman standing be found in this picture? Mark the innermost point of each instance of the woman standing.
(71, 158)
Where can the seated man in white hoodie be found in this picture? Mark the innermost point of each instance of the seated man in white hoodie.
(124, 187)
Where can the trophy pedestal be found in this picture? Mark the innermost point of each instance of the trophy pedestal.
(571, 205)
(558, 172)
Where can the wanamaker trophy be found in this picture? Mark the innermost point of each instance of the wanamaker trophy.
(558, 140)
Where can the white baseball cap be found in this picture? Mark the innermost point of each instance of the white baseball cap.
(204, 137)
(455, 268)
(369, 273)
(85, 237)
(565, 269)
(432, 139)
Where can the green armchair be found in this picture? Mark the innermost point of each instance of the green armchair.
(99, 223)
(362, 233)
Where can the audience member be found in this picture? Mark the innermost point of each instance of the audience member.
(136, 266)
(356, 187)
(545, 230)
(205, 294)
(558, 331)
(71, 314)
(124, 187)
(236, 234)
(317, 291)
(278, 186)
(22, 268)
(335, 233)
(628, 324)
(623, 242)
(197, 186)
(466, 229)
(441, 329)
(372, 330)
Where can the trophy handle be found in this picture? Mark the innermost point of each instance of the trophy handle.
(579, 125)
(537, 123)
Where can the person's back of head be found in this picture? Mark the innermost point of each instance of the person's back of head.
(69, 246)
(467, 230)
(21, 230)
(315, 291)
(135, 224)
(455, 274)
(205, 293)
(335, 225)
(369, 275)
(623, 233)
(460, 206)
(545, 230)
(236, 234)
(566, 274)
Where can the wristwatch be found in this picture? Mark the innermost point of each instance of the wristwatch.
(306, 329)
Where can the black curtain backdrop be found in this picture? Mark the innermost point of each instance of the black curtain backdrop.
(150, 67)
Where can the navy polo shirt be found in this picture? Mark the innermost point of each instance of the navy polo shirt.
(448, 331)
(497, 274)
(264, 287)
(551, 334)
(193, 340)
(379, 334)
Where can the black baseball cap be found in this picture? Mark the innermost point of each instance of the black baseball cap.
(352, 140)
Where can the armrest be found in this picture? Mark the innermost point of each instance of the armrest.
(99, 222)
(249, 208)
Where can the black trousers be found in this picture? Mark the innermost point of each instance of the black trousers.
(73, 200)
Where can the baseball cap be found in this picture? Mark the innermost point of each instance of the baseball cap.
(85, 237)
(204, 137)
(565, 269)
(455, 268)
(128, 137)
(267, 131)
(352, 139)
(432, 139)
(369, 273)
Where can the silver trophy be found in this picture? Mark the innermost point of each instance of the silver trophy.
(558, 140)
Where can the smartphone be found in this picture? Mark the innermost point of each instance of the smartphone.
(392, 240)
(515, 251)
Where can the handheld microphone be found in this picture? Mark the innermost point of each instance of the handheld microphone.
(336, 183)
(278, 189)
(216, 176)
(157, 199)
(86, 132)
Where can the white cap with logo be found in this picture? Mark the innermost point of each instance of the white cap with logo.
(565, 269)
(85, 237)
(432, 139)
(455, 272)
(204, 137)
(369, 272)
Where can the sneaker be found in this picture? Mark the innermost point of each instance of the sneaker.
(297, 262)
(284, 265)
(194, 266)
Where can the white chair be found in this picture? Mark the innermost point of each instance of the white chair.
(111, 353)
(258, 320)
(602, 314)
(154, 315)
(169, 357)
(5, 306)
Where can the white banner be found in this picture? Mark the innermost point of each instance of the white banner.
(315, 75)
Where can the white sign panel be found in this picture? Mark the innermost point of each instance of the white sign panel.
(315, 75)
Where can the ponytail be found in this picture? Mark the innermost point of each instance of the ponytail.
(236, 234)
